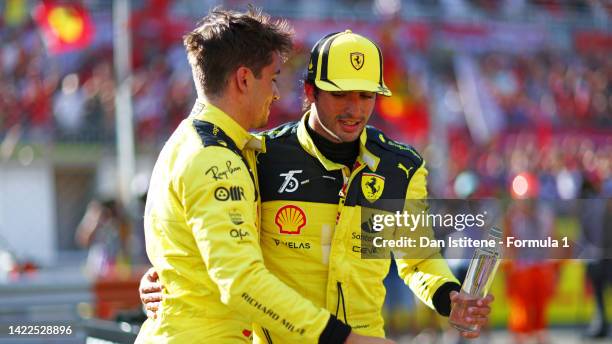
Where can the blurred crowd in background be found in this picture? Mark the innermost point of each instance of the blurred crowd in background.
(504, 98)
(552, 105)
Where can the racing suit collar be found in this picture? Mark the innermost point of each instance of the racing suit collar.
(205, 111)
(365, 156)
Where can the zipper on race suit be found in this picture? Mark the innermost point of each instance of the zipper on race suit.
(347, 177)
(347, 180)
(341, 301)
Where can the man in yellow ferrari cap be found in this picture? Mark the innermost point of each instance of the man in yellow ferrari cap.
(316, 178)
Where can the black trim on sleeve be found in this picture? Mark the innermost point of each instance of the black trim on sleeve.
(441, 298)
(334, 332)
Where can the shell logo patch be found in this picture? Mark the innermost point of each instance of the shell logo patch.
(357, 60)
(372, 186)
(290, 219)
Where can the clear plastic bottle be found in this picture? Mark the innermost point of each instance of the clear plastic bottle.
(477, 281)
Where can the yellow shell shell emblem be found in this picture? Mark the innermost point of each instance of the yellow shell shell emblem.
(290, 219)
(372, 186)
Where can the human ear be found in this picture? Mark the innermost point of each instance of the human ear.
(309, 90)
(243, 77)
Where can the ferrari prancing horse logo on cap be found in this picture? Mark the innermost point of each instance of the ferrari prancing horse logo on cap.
(357, 60)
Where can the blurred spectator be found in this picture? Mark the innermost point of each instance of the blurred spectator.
(69, 107)
(594, 215)
(150, 89)
(105, 231)
(530, 276)
(100, 107)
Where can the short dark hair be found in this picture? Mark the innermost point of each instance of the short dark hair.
(225, 40)
(305, 102)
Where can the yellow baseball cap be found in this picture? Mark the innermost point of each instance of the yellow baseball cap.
(345, 61)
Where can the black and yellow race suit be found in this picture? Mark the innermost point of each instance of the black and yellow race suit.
(201, 226)
(312, 224)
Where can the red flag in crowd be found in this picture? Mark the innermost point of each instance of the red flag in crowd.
(64, 26)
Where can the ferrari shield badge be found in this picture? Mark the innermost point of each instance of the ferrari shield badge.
(357, 60)
(372, 186)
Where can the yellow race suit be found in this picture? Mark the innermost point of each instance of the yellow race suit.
(201, 227)
(312, 225)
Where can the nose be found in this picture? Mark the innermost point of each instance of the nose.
(352, 105)
(275, 92)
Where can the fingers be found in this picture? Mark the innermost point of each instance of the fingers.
(150, 287)
(487, 300)
(152, 275)
(477, 320)
(150, 291)
(151, 309)
(149, 283)
(151, 298)
(470, 335)
(479, 311)
(478, 315)
(481, 308)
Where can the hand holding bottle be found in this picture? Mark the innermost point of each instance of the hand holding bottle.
(473, 312)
